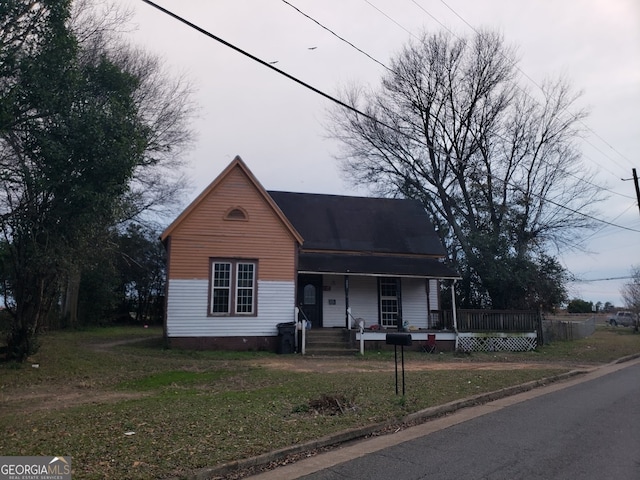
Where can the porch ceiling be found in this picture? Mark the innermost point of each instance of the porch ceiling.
(377, 265)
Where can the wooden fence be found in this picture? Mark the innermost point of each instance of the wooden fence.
(496, 321)
(568, 329)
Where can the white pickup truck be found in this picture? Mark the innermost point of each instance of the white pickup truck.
(625, 319)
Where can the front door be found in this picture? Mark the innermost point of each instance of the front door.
(310, 298)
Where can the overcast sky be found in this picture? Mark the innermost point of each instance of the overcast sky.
(278, 126)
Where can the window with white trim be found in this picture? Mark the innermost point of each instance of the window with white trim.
(388, 302)
(233, 287)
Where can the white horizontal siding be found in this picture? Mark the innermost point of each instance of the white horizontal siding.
(333, 290)
(363, 298)
(187, 311)
(414, 302)
(434, 297)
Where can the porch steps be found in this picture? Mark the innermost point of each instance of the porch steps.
(329, 342)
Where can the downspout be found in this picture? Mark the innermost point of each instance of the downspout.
(455, 315)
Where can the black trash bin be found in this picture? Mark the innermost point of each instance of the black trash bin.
(286, 337)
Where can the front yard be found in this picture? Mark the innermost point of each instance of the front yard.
(135, 410)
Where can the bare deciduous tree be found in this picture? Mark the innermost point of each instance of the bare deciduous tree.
(497, 170)
(631, 294)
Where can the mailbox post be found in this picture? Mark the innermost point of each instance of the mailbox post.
(402, 339)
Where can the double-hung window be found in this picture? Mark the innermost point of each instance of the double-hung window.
(389, 307)
(233, 287)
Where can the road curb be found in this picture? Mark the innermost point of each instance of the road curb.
(344, 436)
(628, 358)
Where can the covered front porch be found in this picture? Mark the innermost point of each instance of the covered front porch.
(377, 302)
(369, 294)
(458, 330)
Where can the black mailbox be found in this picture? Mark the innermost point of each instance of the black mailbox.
(403, 339)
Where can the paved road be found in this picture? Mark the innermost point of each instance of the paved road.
(585, 429)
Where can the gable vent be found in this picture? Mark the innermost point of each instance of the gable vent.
(236, 214)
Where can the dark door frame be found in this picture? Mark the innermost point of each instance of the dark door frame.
(312, 311)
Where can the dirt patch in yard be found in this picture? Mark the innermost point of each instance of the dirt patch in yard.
(347, 364)
(41, 398)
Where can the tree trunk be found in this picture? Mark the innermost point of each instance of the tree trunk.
(71, 298)
(34, 300)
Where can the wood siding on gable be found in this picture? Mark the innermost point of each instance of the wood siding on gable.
(205, 234)
(187, 311)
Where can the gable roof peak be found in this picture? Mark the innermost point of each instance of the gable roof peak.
(236, 163)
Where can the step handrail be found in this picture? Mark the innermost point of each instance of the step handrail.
(303, 347)
(360, 323)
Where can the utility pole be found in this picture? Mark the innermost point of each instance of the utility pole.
(635, 180)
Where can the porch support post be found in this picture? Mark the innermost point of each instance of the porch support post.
(455, 314)
(347, 312)
(428, 287)
(296, 319)
(453, 303)
(304, 337)
(400, 321)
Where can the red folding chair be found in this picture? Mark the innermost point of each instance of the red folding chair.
(430, 346)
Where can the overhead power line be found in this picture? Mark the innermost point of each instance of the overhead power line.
(585, 280)
(593, 235)
(533, 81)
(537, 85)
(306, 15)
(256, 59)
(339, 102)
(336, 35)
(398, 24)
(281, 72)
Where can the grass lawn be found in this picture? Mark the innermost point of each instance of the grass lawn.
(138, 411)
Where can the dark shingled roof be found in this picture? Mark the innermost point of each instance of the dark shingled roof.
(360, 224)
